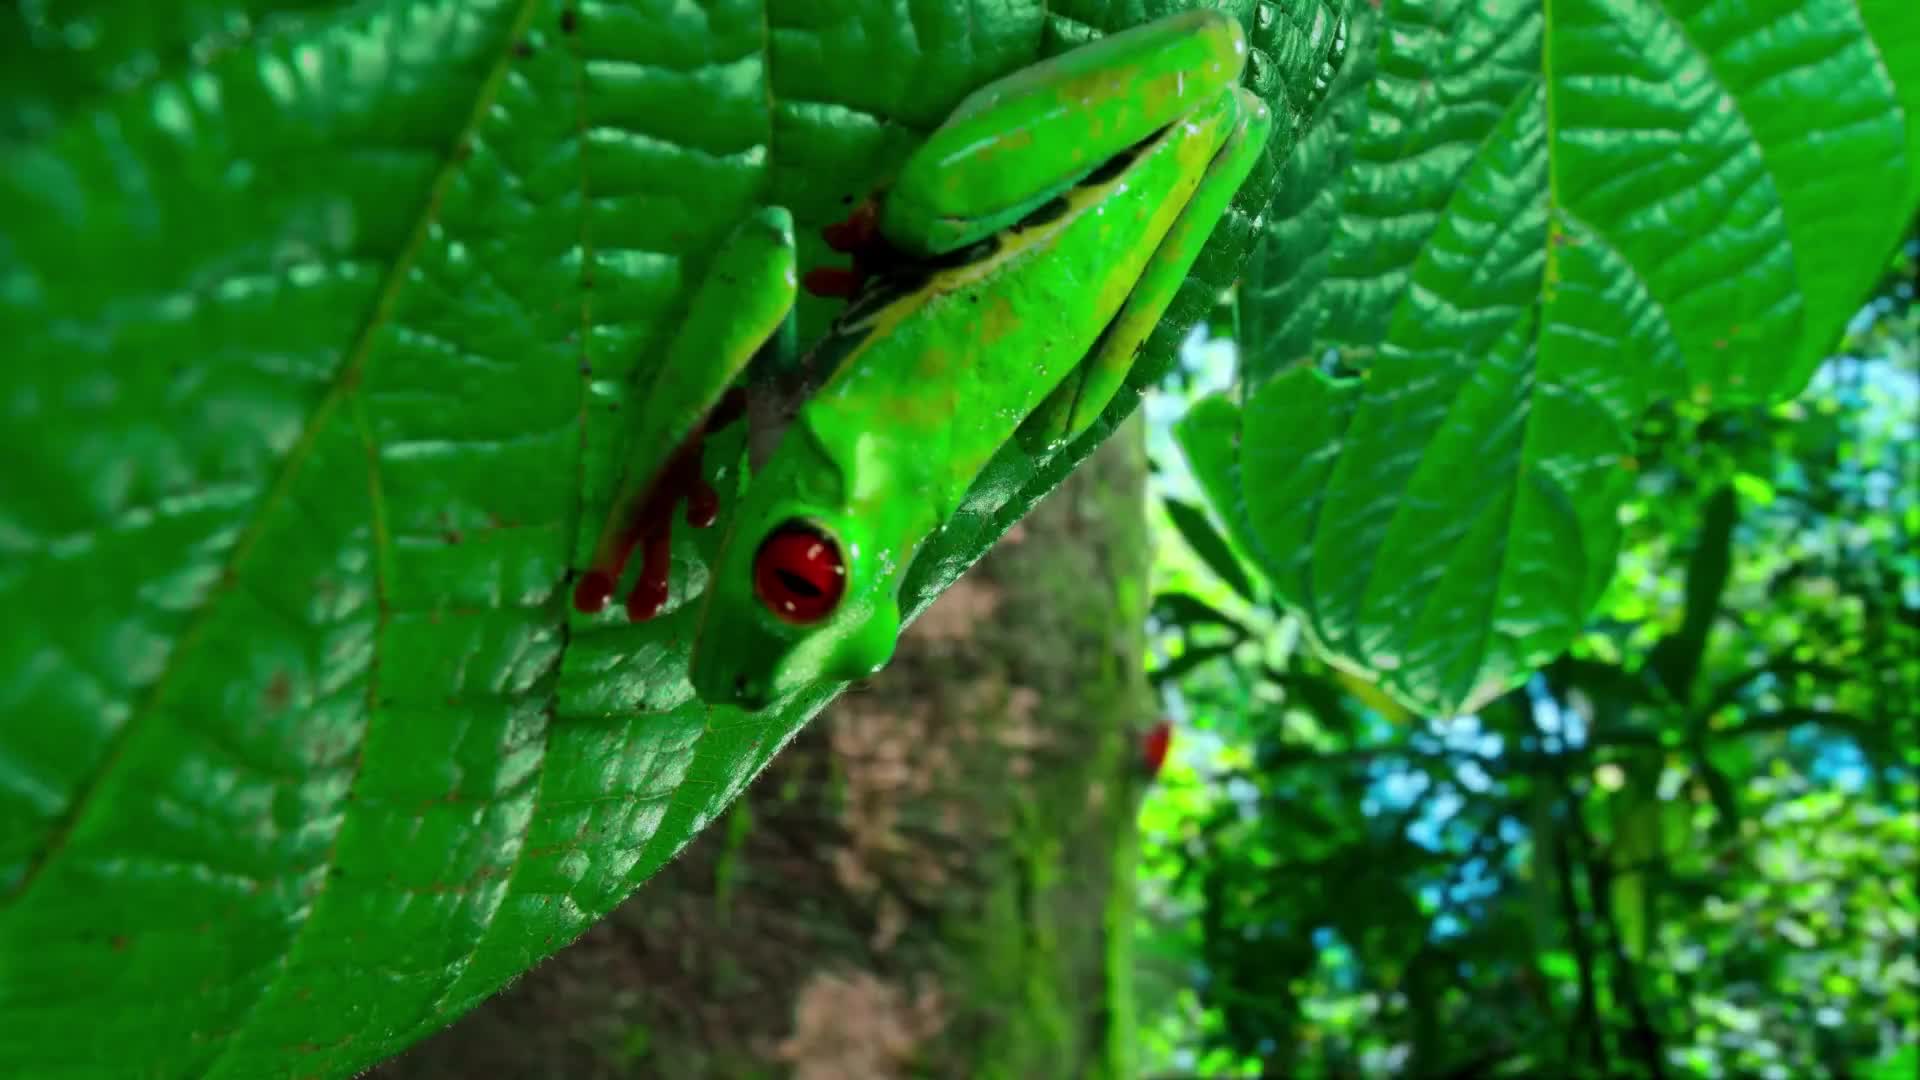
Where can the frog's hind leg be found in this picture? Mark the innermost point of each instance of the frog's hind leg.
(1013, 145)
(1079, 400)
(737, 312)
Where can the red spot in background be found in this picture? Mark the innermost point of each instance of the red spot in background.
(1154, 745)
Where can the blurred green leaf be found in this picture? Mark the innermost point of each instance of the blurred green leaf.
(1726, 802)
(1188, 613)
(1187, 661)
(1206, 542)
(1901, 1064)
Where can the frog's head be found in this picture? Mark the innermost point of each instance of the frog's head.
(798, 594)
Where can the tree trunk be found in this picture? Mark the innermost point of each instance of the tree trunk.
(921, 883)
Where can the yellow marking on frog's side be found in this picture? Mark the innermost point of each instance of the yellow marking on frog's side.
(997, 320)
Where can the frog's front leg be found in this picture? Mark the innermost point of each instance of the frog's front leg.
(740, 305)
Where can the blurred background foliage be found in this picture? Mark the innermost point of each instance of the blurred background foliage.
(1686, 848)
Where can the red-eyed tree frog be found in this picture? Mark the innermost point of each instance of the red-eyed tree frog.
(1004, 282)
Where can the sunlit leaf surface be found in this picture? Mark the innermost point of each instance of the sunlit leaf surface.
(1552, 217)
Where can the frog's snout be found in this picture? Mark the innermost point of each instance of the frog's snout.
(720, 679)
(750, 693)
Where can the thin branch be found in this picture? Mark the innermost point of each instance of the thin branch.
(1586, 1017)
(1646, 1036)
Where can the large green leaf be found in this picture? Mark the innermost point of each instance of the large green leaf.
(1554, 216)
(322, 320)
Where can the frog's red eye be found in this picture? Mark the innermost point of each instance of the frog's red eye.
(799, 574)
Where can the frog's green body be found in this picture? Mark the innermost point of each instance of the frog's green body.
(1045, 228)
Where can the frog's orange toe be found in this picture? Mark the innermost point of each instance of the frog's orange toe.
(831, 281)
(703, 506)
(646, 600)
(853, 234)
(591, 593)
(649, 594)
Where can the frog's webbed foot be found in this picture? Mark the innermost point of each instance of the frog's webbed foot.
(858, 237)
(650, 525)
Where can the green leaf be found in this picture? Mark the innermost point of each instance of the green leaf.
(1726, 801)
(1278, 320)
(1187, 662)
(323, 323)
(1754, 489)
(1212, 548)
(1209, 435)
(1560, 965)
(1896, 1065)
(1189, 613)
(1323, 696)
(1554, 218)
